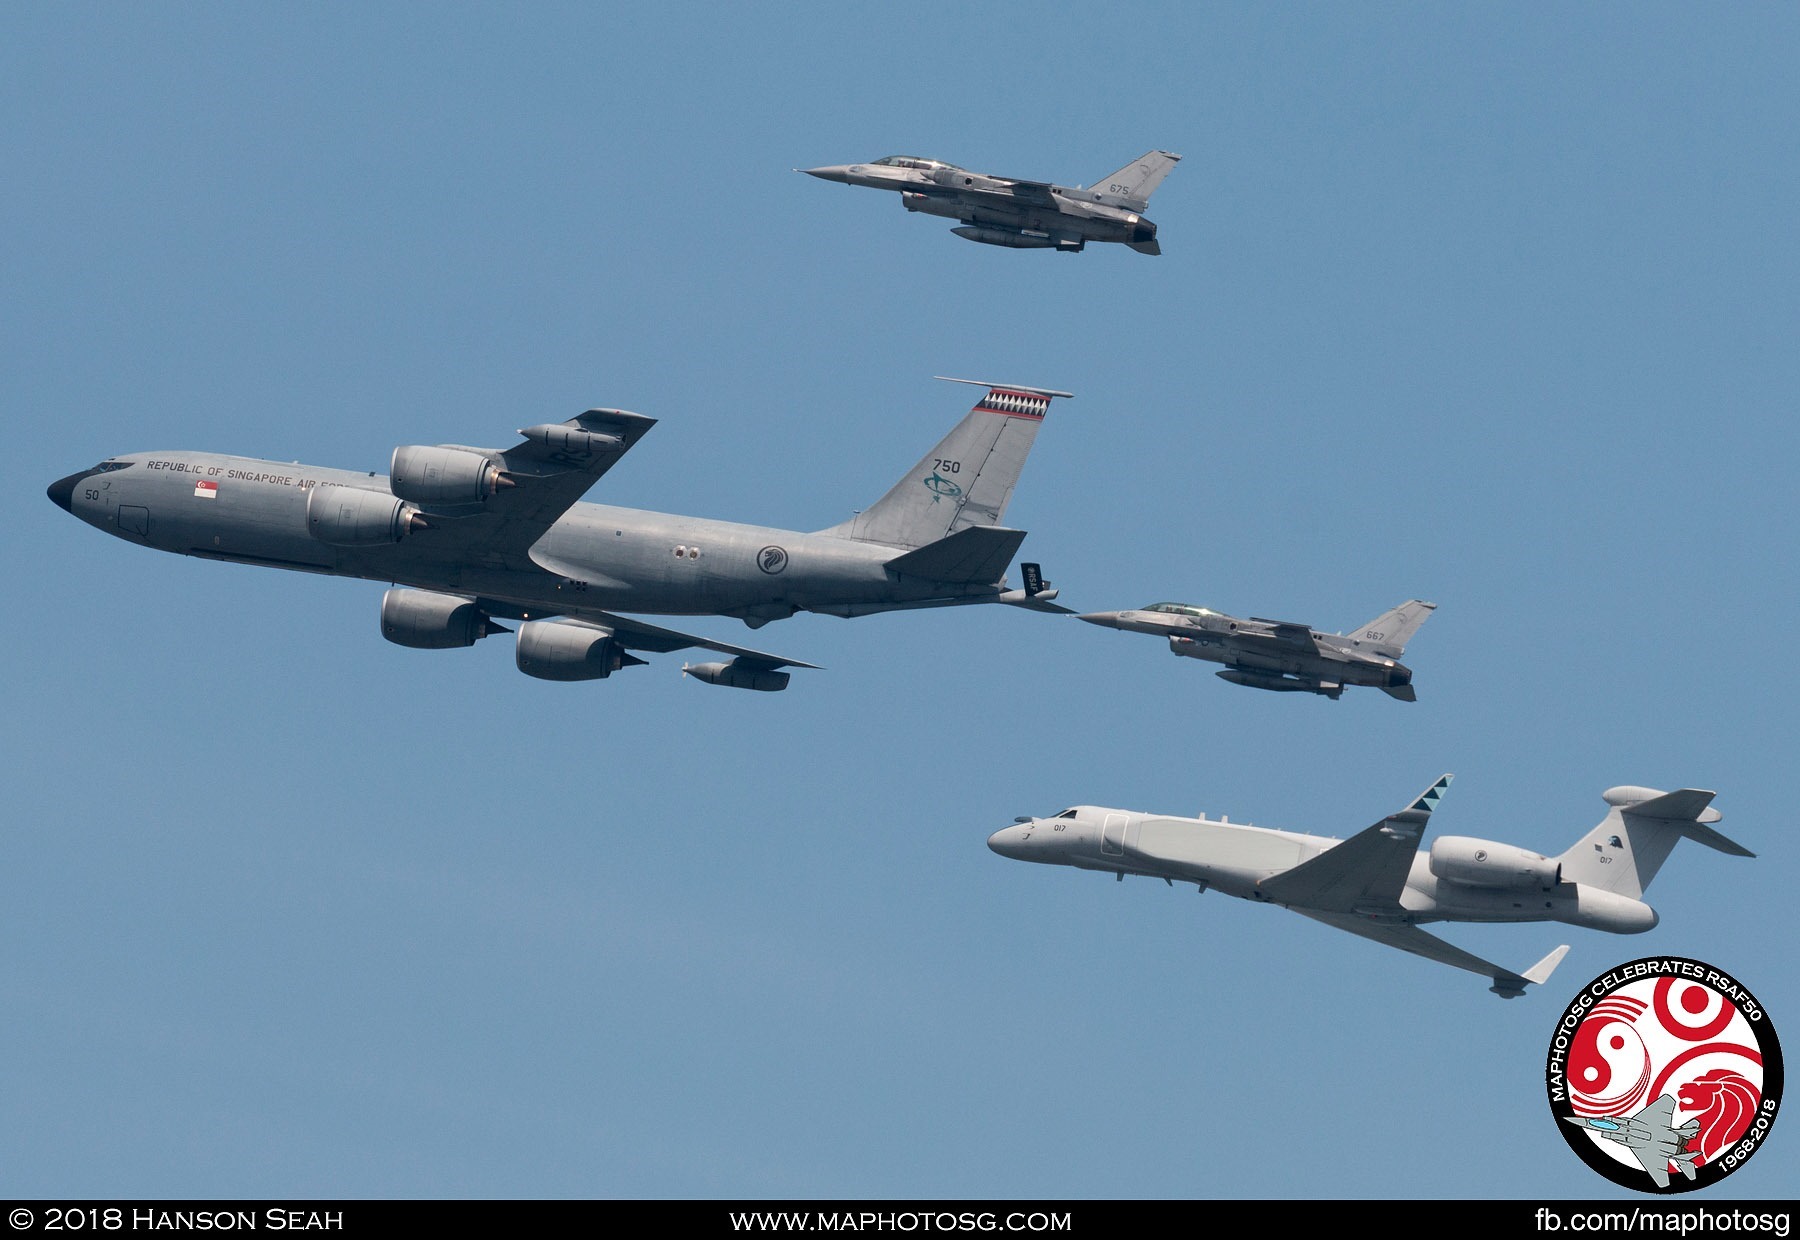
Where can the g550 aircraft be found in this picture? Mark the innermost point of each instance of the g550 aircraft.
(1378, 885)
(479, 533)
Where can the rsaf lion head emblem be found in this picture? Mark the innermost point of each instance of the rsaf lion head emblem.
(1725, 1102)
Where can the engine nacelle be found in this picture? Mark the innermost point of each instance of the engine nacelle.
(569, 650)
(1483, 863)
(737, 675)
(425, 620)
(443, 476)
(352, 517)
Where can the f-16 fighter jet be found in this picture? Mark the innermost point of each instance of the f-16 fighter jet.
(474, 535)
(1021, 215)
(1650, 1136)
(1277, 655)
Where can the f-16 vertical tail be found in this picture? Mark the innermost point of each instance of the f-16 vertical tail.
(1388, 633)
(1626, 850)
(1131, 186)
(966, 480)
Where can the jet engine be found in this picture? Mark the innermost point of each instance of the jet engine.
(1483, 863)
(352, 517)
(444, 476)
(569, 650)
(425, 620)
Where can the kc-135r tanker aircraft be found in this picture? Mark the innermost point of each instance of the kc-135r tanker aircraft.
(1021, 215)
(1379, 885)
(475, 534)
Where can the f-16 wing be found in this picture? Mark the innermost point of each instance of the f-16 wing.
(959, 183)
(1286, 632)
(1037, 193)
(1409, 938)
(1365, 873)
(497, 503)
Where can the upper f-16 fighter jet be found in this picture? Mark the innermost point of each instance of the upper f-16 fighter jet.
(1288, 658)
(1379, 885)
(472, 535)
(1021, 215)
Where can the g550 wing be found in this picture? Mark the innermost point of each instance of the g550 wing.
(1364, 874)
(1356, 886)
(1409, 938)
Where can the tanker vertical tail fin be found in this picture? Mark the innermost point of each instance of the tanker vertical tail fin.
(966, 480)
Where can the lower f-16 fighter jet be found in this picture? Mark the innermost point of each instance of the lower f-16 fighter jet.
(1277, 655)
(475, 535)
(1021, 215)
(1651, 1137)
(1379, 885)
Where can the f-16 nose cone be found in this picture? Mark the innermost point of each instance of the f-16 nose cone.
(1108, 618)
(62, 491)
(830, 173)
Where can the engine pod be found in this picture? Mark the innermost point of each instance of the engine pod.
(352, 517)
(569, 650)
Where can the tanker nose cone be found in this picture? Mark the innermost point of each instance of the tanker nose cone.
(62, 491)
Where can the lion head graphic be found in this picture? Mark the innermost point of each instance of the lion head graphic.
(1726, 1102)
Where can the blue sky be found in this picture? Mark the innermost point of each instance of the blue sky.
(1490, 305)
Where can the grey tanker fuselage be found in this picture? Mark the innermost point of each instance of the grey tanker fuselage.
(477, 533)
(1020, 214)
(612, 558)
